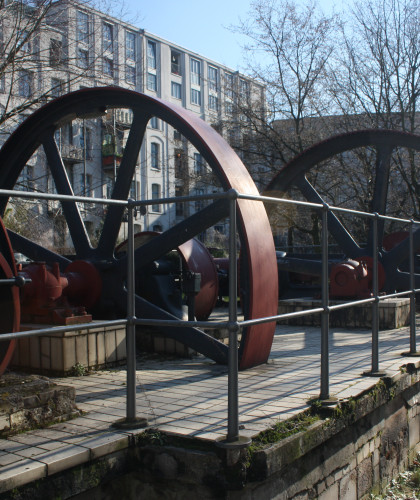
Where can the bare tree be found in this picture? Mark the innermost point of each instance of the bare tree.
(375, 83)
(289, 48)
(329, 74)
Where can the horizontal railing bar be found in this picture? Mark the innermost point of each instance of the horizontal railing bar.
(278, 317)
(62, 329)
(333, 208)
(177, 199)
(213, 325)
(346, 305)
(396, 294)
(61, 197)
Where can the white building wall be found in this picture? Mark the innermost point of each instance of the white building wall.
(146, 176)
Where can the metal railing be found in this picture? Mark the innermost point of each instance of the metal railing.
(232, 324)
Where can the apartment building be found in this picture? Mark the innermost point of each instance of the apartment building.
(77, 47)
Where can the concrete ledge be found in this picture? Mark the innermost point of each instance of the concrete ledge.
(59, 353)
(393, 313)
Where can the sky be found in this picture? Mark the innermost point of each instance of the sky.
(201, 27)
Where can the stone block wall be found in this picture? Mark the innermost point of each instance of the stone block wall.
(59, 353)
(393, 313)
(344, 458)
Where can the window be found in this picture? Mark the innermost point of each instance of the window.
(151, 82)
(244, 89)
(107, 36)
(179, 163)
(25, 84)
(176, 90)
(86, 184)
(229, 85)
(130, 74)
(108, 67)
(228, 108)
(198, 163)
(177, 135)
(212, 78)
(151, 55)
(195, 72)
(26, 179)
(130, 46)
(175, 63)
(82, 26)
(199, 204)
(154, 122)
(155, 196)
(157, 228)
(212, 82)
(23, 41)
(155, 155)
(213, 102)
(2, 84)
(86, 144)
(82, 58)
(179, 207)
(133, 190)
(57, 87)
(56, 52)
(109, 187)
(196, 97)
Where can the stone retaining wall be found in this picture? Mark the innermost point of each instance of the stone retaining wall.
(354, 449)
(60, 353)
(393, 313)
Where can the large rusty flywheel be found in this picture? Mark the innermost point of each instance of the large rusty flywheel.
(258, 260)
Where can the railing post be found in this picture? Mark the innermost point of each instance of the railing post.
(413, 347)
(325, 315)
(233, 440)
(131, 327)
(131, 420)
(375, 304)
(233, 392)
(374, 372)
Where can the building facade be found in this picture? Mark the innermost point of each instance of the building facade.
(77, 47)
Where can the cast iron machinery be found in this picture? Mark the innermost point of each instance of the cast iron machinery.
(107, 272)
(351, 269)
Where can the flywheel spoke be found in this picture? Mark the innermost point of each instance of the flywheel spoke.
(122, 185)
(71, 211)
(193, 337)
(401, 251)
(335, 227)
(182, 232)
(34, 251)
(297, 265)
(401, 280)
(380, 193)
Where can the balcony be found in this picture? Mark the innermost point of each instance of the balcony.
(122, 117)
(111, 157)
(71, 153)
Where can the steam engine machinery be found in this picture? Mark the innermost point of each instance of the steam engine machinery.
(351, 265)
(91, 283)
